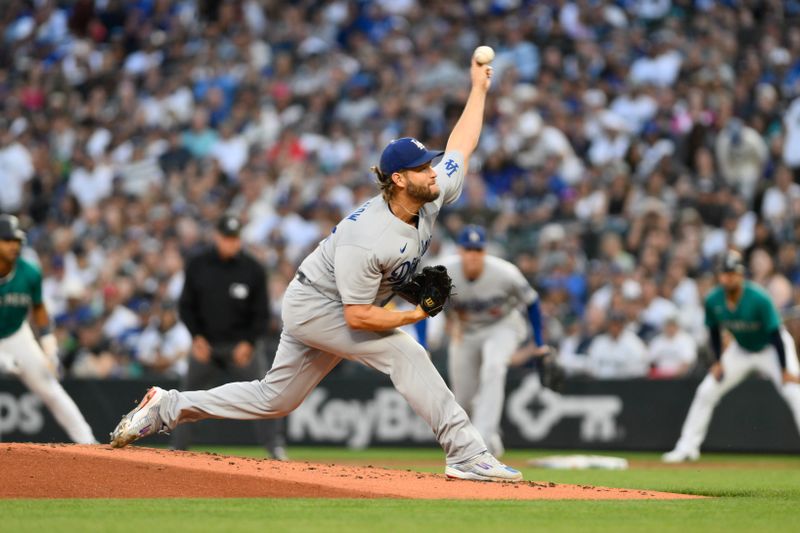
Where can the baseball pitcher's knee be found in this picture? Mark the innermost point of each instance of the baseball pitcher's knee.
(283, 406)
(279, 405)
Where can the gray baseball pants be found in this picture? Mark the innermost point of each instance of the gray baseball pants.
(314, 339)
(478, 364)
(221, 369)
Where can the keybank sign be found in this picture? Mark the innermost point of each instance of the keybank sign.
(534, 411)
(366, 410)
(386, 418)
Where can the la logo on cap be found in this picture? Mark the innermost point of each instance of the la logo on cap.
(474, 237)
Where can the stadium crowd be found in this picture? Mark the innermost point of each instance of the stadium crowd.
(626, 145)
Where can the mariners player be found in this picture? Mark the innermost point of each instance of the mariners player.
(490, 294)
(760, 344)
(37, 366)
(334, 308)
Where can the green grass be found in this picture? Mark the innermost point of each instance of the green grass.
(749, 493)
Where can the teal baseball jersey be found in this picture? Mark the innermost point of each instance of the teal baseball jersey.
(751, 322)
(19, 290)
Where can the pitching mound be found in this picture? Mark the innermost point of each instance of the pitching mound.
(72, 471)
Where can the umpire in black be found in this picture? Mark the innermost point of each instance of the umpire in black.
(224, 305)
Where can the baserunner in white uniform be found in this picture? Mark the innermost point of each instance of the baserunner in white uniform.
(36, 363)
(760, 344)
(333, 309)
(490, 295)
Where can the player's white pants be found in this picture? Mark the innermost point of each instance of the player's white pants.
(315, 338)
(478, 364)
(737, 364)
(30, 361)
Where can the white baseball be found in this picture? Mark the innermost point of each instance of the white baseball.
(483, 54)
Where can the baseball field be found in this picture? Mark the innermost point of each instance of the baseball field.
(740, 492)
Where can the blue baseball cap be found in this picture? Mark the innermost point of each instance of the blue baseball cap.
(472, 238)
(404, 153)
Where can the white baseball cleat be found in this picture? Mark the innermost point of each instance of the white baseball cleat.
(142, 421)
(680, 456)
(483, 467)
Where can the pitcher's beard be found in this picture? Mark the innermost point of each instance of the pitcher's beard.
(422, 192)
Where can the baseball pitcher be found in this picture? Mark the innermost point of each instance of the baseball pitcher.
(36, 363)
(486, 309)
(760, 344)
(334, 308)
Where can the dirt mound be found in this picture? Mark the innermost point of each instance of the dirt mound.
(72, 471)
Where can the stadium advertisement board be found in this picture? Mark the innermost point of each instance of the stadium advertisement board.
(367, 411)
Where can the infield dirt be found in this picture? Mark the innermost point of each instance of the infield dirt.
(74, 471)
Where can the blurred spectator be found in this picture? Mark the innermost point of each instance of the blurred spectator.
(781, 200)
(121, 303)
(16, 169)
(791, 143)
(76, 309)
(662, 63)
(89, 181)
(612, 144)
(742, 156)
(540, 142)
(573, 352)
(618, 353)
(91, 355)
(762, 271)
(656, 309)
(635, 106)
(632, 306)
(165, 343)
(199, 139)
(230, 151)
(176, 156)
(673, 352)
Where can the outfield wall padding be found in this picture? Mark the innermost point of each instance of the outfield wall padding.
(365, 410)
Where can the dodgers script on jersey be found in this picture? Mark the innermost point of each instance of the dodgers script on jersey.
(371, 250)
(500, 290)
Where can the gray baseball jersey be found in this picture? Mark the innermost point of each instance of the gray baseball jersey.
(500, 290)
(371, 250)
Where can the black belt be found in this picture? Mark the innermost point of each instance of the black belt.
(303, 279)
